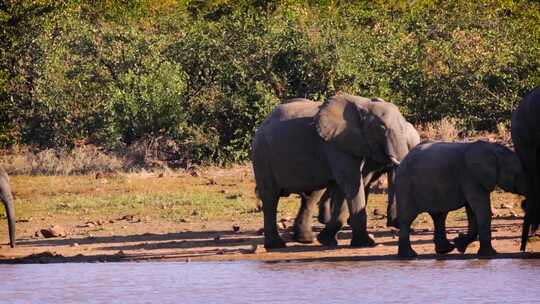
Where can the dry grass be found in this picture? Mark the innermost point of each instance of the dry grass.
(446, 129)
(81, 160)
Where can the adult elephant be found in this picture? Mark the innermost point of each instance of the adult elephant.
(525, 131)
(334, 213)
(7, 198)
(304, 146)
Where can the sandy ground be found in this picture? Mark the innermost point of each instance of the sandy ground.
(149, 241)
(192, 217)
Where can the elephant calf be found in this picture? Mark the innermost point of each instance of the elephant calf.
(438, 177)
(7, 198)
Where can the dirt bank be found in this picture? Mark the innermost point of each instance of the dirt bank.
(189, 216)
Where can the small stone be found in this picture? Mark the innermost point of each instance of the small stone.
(124, 227)
(90, 225)
(236, 228)
(285, 219)
(75, 245)
(54, 231)
(505, 206)
(111, 221)
(377, 211)
(160, 175)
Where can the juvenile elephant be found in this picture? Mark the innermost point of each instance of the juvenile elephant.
(304, 146)
(438, 177)
(525, 131)
(7, 198)
(333, 212)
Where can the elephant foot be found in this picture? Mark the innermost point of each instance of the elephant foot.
(362, 240)
(327, 239)
(407, 252)
(302, 236)
(392, 223)
(274, 243)
(462, 242)
(486, 251)
(444, 247)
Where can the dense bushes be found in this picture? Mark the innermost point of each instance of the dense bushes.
(204, 74)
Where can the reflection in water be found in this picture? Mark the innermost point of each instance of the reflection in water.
(451, 281)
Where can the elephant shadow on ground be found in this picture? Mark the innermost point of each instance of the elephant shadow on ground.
(194, 244)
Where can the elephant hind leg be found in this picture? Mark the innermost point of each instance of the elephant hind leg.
(302, 225)
(442, 245)
(271, 235)
(463, 240)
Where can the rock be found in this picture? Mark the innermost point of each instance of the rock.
(255, 249)
(223, 191)
(378, 212)
(505, 206)
(111, 221)
(54, 231)
(513, 213)
(160, 175)
(90, 225)
(128, 217)
(75, 245)
(124, 227)
(282, 225)
(236, 228)
(217, 238)
(260, 231)
(233, 196)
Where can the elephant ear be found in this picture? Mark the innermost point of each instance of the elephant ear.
(481, 163)
(340, 121)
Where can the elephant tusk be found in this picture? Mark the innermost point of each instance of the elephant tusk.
(394, 160)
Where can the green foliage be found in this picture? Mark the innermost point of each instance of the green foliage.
(205, 74)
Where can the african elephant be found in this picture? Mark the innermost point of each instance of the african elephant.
(371, 172)
(438, 177)
(7, 198)
(304, 146)
(525, 130)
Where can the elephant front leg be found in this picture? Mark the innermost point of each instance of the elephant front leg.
(482, 212)
(442, 245)
(463, 240)
(358, 218)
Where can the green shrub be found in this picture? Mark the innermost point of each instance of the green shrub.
(201, 76)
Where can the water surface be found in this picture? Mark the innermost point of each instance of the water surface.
(452, 281)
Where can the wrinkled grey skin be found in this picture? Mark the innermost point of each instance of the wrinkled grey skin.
(334, 215)
(7, 199)
(525, 131)
(305, 146)
(438, 177)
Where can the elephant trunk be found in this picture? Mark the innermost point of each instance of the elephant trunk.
(525, 233)
(11, 222)
(396, 148)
